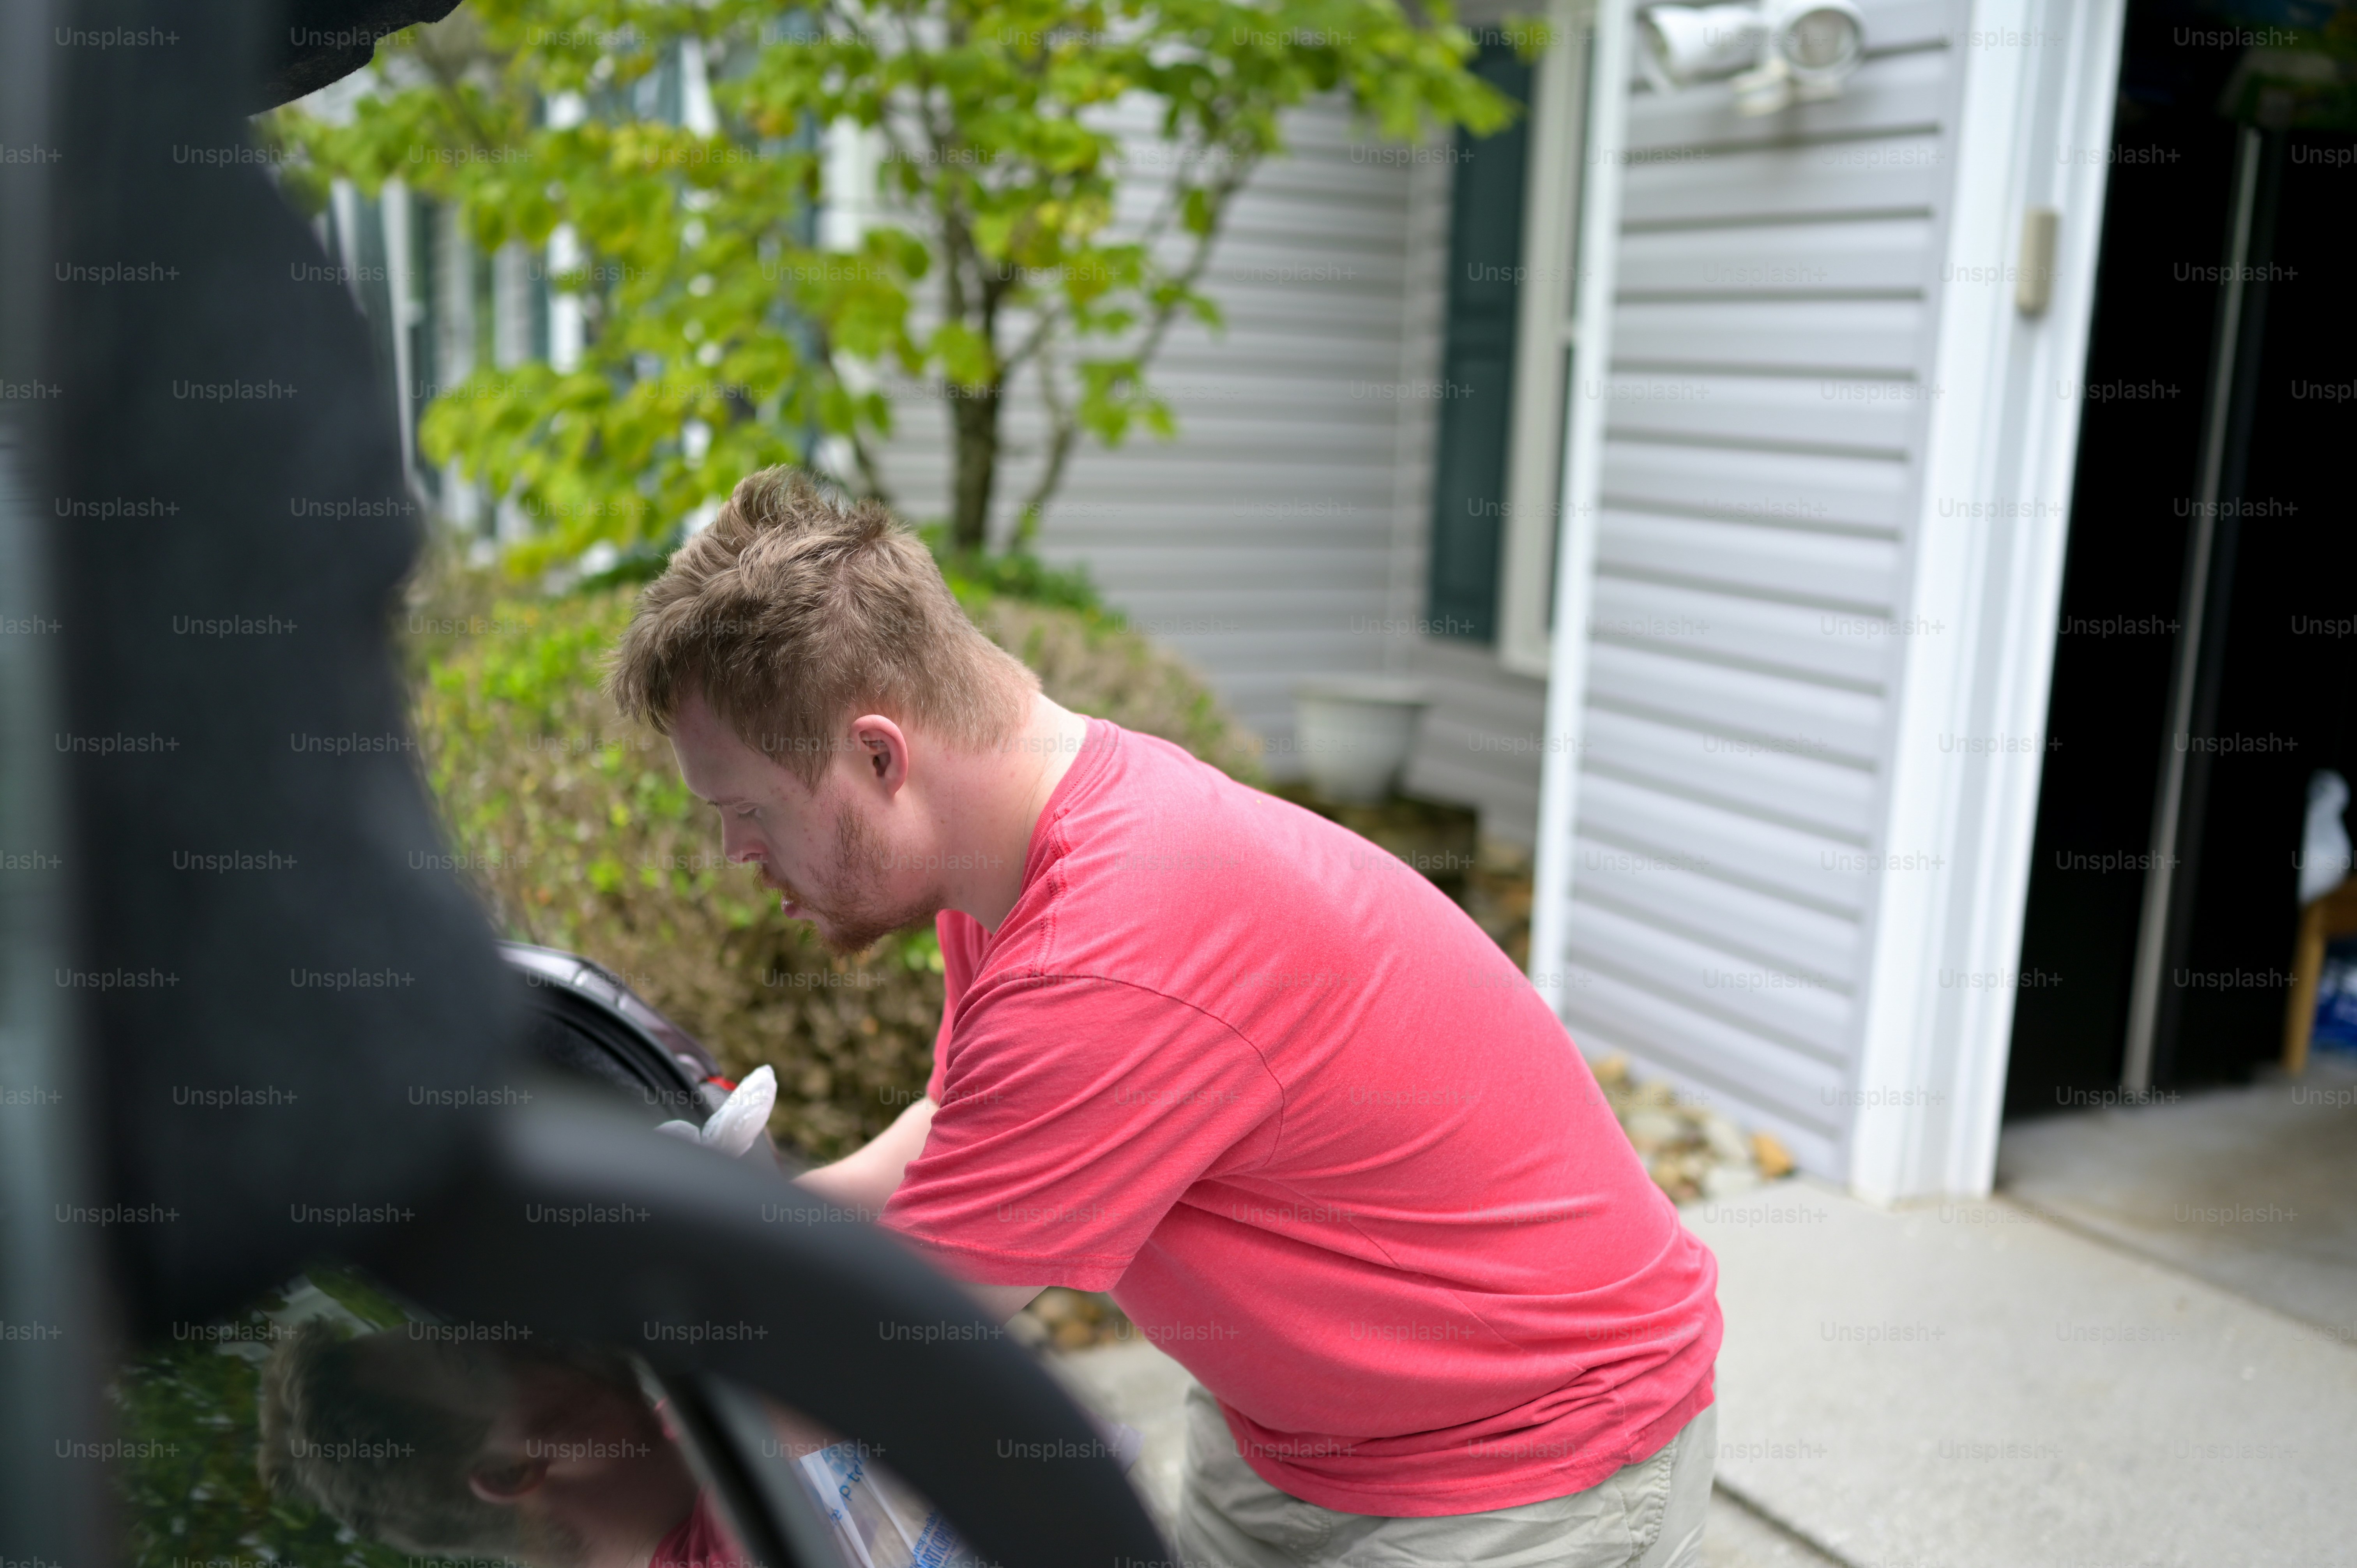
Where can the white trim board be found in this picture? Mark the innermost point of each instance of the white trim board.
(2007, 433)
(1545, 334)
(1576, 487)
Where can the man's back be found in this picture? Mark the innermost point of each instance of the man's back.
(1319, 1138)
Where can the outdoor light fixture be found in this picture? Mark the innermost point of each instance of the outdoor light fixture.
(1776, 52)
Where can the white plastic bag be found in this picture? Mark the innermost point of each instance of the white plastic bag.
(737, 1126)
(2324, 845)
(877, 1523)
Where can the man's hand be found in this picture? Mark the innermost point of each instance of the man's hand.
(864, 1181)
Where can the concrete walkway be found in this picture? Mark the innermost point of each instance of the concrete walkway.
(1970, 1384)
(2254, 1189)
(1966, 1386)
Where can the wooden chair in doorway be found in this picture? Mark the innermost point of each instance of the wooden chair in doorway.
(2335, 915)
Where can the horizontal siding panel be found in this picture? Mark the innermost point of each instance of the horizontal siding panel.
(1332, 174)
(1270, 692)
(1713, 698)
(1099, 505)
(1759, 960)
(1704, 1047)
(1314, 477)
(1849, 574)
(1481, 740)
(1254, 258)
(1905, 90)
(1315, 218)
(1797, 788)
(1280, 571)
(1086, 534)
(1345, 617)
(1768, 259)
(1824, 411)
(1323, 405)
(1240, 474)
(1331, 455)
(1659, 477)
(1809, 336)
(1498, 718)
(1724, 627)
(1324, 447)
(1322, 302)
(1710, 187)
(1288, 645)
(1201, 418)
(1805, 869)
(1316, 358)
(1909, 24)
(1319, 131)
(1218, 643)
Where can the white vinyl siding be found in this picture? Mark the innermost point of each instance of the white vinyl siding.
(1776, 281)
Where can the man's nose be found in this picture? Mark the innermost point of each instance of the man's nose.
(738, 844)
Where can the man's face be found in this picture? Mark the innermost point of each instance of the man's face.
(595, 1480)
(827, 853)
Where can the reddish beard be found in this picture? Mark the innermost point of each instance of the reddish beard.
(855, 916)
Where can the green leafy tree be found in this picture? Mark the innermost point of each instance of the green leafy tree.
(721, 336)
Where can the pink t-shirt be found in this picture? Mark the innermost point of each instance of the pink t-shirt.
(700, 1540)
(1321, 1141)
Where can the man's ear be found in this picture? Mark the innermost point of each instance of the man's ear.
(883, 748)
(507, 1483)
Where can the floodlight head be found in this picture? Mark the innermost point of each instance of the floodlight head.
(1687, 44)
(1783, 49)
(1820, 41)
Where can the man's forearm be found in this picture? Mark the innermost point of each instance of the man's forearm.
(866, 1179)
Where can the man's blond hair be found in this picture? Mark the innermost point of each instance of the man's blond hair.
(794, 612)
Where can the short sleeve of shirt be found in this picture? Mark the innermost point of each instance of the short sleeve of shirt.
(1073, 1113)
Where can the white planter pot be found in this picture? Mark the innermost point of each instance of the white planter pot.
(1355, 734)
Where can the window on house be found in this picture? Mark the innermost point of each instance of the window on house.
(1476, 393)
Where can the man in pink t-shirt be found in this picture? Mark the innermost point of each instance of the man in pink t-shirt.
(1213, 1054)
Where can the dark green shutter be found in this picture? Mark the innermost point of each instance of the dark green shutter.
(1476, 383)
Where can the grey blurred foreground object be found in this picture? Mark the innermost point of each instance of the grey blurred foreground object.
(241, 984)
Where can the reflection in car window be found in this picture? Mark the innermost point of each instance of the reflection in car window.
(329, 1427)
(547, 1454)
(189, 1413)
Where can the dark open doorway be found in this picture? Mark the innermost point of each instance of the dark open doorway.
(2277, 658)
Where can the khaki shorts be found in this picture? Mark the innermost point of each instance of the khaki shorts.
(1646, 1515)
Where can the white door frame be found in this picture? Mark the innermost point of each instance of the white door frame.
(2035, 124)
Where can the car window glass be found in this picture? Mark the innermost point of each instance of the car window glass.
(333, 1425)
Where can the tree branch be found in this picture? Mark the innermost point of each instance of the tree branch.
(870, 473)
(1063, 427)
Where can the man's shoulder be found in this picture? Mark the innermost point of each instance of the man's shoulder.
(1165, 826)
